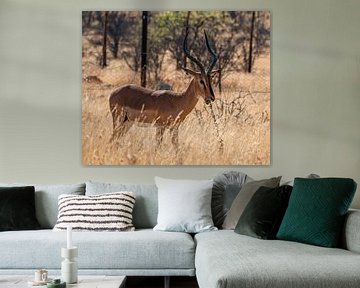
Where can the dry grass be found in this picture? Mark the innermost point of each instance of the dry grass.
(236, 131)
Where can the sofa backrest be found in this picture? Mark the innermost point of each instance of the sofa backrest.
(146, 203)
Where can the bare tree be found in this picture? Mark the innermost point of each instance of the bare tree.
(258, 40)
(117, 27)
(86, 19)
(130, 51)
(187, 23)
(251, 42)
(104, 64)
(144, 47)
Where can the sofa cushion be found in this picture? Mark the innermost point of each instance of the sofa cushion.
(142, 249)
(146, 205)
(263, 215)
(105, 212)
(184, 205)
(46, 200)
(17, 208)
(225, 189)
(243, 198)
(317, 209)
(225, 259)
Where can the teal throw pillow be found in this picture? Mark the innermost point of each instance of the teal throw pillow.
(316, 211)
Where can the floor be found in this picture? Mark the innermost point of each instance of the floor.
(158, 282)
(131, 282)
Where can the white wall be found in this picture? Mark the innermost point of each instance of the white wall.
(315, 90)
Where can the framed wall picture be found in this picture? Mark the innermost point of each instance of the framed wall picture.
(176, 87)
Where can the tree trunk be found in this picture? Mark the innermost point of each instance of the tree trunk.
(89, 19)
(220, 83)
(220, 70)
(186, 32)
(144, 48)
(251, 42)
(116, 47)
(104, 40)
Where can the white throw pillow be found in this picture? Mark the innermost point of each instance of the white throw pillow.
(184, 205)
(104, 212)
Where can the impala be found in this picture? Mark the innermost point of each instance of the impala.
(131, 104)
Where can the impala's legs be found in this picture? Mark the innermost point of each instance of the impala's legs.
(159, 134)
(121, 124)
(121, 130)
(174, 131)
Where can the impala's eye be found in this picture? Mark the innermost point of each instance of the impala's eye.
(202, 82)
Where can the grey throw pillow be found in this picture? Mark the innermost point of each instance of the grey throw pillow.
(184, 205)
(242, 199)
(226, 187)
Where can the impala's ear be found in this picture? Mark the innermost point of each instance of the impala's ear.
(191, 72)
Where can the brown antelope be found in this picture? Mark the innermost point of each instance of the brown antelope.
(162, 108)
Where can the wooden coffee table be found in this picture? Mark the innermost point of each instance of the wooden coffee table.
(83, 282)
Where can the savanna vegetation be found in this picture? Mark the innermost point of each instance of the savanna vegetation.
(147, 49)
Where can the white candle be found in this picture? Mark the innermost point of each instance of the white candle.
(69, 237)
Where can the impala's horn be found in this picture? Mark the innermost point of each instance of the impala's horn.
(214, 56)
(192, 58)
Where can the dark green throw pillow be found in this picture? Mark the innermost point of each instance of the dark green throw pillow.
(316, 211)
(263, 214)
(17, 208)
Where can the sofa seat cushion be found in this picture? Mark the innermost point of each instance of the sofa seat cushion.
(141, 249)
(226, 259)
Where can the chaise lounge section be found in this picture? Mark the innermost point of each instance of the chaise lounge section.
(225, 259)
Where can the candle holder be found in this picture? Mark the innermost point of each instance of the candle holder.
(68, 265)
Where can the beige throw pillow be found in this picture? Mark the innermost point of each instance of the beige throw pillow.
(243, 198)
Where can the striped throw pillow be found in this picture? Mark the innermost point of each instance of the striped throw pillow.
(105, 212)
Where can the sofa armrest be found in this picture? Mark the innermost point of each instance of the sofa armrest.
(351, 233)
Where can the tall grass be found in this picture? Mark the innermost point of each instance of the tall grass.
(235, 130)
